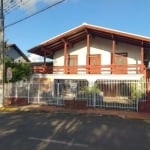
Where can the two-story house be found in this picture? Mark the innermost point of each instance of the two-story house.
(94, 50)
(93, 54)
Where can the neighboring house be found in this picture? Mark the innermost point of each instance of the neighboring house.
(15, 54)
(93, 53)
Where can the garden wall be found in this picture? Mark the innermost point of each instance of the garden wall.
(15, 101)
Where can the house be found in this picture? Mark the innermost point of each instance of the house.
(94, 50)
(15, 54)
(89, 55)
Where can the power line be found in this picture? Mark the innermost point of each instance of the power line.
(11, 5)
(38, 12)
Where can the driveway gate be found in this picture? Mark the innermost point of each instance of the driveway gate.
(114, 94)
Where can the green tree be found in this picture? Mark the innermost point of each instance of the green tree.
(20, 71)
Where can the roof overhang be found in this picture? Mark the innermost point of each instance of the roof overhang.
(49, 47)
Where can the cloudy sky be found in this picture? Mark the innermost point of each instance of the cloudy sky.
(125, 15)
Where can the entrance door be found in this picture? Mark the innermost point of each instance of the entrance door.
(72, 64)
(94, 64)
(120, 63)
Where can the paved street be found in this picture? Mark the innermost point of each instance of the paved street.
(64, 131)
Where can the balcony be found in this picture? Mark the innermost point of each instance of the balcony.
(85, 69)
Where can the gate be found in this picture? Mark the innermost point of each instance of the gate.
(114, 94)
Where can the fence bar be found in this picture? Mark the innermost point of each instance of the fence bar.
(113, 94)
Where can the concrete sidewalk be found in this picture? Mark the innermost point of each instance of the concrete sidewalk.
(96, 111)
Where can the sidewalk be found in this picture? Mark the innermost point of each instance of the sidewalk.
(96, 111)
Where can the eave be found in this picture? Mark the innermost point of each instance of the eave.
(79, 33)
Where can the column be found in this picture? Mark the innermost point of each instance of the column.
(88, 52)
(113, 55)
(142, 60)
(65, 58)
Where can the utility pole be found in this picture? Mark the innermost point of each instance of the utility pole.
(1, 54)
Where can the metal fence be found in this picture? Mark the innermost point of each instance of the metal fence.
(114, 94)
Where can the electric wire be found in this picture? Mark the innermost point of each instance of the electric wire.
(10, 5)
(38, 12)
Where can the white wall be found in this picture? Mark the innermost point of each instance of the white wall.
(99, 46)
(59, 58)
(77, 49)
(134, 52)
(103, 47)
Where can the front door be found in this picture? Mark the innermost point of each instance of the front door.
(120, 63)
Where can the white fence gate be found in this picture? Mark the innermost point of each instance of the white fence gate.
(114, 94)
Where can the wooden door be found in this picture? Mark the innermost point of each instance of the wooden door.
(120, 63)
(72, 64)
(94, 64)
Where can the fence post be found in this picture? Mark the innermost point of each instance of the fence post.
(58, 93)
(28, 93)
(93, 94)
(94, 99)
(16, 90)
(137, 105)
(38, 93)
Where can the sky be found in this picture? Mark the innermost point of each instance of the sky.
(131, 16)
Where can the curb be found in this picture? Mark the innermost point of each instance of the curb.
(36, 108)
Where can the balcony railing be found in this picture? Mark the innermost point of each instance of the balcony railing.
(87, 69)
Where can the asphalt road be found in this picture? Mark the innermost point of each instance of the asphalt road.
(64, 131)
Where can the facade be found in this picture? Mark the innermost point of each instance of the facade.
(93, 50)
(15, 54)
(89, 54)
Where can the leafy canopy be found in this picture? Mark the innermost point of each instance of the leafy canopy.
(20, 71)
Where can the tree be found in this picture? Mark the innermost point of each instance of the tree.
(20, 71)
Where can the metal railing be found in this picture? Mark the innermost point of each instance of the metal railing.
(114, 94)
